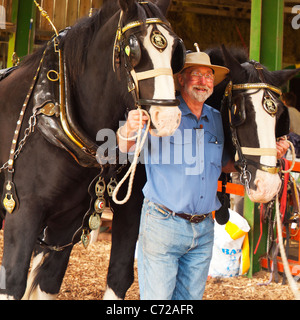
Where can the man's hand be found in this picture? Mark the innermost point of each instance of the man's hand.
(130, 129)
(282, 147)
(132, 124)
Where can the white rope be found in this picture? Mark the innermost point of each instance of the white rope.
(292, 283)
(293, 158)
(131, 171)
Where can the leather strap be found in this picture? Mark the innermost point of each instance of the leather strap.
(196, 218)
(154, 73)
(272, 152)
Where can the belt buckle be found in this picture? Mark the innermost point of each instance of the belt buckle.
(195, 216)
(199, 218)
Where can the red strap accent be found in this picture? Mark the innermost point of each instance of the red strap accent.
(283, 200)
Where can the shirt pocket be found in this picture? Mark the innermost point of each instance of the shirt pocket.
(189, 152)
(214, 149)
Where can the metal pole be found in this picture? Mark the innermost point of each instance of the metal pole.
(25, 27)
(272, 33)
(266, 43)
(255, 29)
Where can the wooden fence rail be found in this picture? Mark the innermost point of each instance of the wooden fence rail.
(63, 13)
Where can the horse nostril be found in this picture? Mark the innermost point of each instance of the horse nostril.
(155, 117)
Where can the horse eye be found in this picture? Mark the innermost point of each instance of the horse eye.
(133, 50)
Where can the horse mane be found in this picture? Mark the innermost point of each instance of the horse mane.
(78, 39)
(83, 33)
(241, 55)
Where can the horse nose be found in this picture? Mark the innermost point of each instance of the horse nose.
(165, 120)
(267, 186)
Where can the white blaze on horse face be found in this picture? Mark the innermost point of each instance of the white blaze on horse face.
(165, 119)
(267, 184)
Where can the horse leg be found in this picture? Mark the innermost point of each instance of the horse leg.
(20, 234)
(49, 266)
(48, 270)
(125, 229)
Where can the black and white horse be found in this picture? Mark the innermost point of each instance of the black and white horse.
(253, 117)
(53, 106)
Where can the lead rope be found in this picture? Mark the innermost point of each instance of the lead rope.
(292, 283)
(293, 156)
(131, 171)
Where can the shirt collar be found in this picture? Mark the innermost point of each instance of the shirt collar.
(185, 109)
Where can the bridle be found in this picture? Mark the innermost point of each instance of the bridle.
(270, 105)
(128, 49)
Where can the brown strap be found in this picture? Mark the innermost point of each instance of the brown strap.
(21, 117)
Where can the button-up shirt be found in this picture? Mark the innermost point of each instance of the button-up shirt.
(183, 170)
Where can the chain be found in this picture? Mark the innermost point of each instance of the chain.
(245, 178)
(28, 131)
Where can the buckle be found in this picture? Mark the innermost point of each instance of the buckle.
(192, 218)
(197, 218)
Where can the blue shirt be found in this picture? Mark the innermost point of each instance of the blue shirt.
(183, 170)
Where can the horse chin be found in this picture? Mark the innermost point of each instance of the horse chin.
(165, 120)
(267, 187)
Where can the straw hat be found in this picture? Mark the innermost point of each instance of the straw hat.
(196, 59)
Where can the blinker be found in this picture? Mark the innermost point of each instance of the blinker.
(133, 50)
(238, 110)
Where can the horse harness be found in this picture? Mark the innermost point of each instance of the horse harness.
(237, 116)
(52, 114)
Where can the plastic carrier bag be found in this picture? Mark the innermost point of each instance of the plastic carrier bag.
(231, 248)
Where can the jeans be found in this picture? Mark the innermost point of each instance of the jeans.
(173, 255)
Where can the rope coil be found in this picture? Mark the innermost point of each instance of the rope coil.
(293, 156)
(140, 141)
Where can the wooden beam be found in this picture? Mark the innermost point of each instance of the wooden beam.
(212, 12)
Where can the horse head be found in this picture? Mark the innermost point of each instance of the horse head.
(150, 53)
(130, 55)
(257, 117)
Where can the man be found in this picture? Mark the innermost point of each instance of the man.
(177, 228)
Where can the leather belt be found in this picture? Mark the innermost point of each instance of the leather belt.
(196, 218)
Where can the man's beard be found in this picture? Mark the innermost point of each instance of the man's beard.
(197, 94)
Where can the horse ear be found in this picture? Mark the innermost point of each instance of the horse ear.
(163, 5)
(280, 77)
(236, 70)
(127, 5)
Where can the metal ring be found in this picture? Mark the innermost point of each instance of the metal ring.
(53, 79)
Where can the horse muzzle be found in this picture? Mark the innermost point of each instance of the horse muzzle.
(164, 120)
